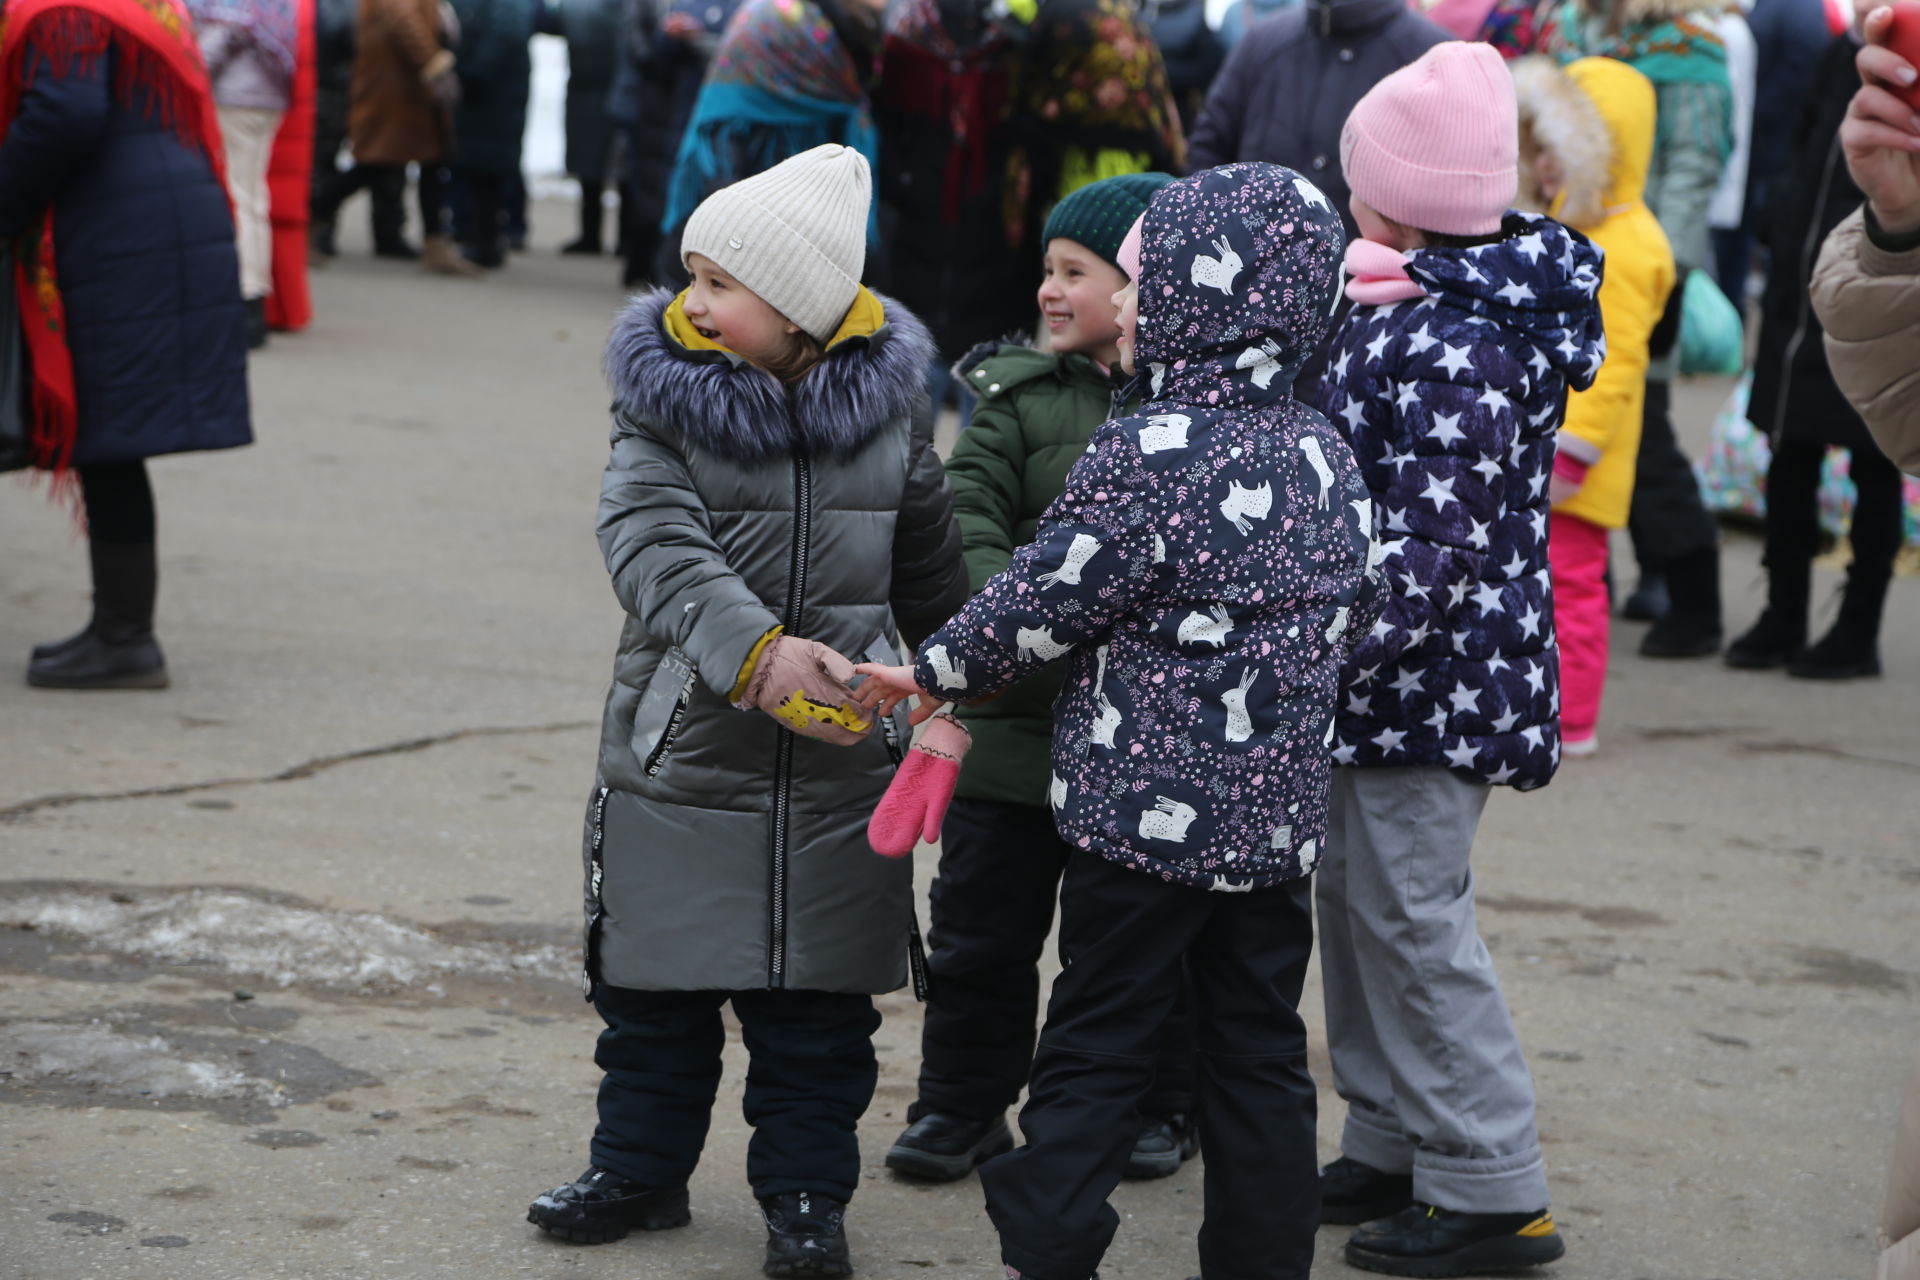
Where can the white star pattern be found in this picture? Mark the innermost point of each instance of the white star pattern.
(1465, 699)
(1503, 774)
(1383, 628)
(1459, 593)
(1536, 483)
(1477, 536)
(1487, 596)
(1460, 639)
(1377, 346)
(1420, 340)
(1397, 521)
(1389, 740)
(1390, 549)
(1437, 718)
(1505, 723)
(1533, 735)
(1409, 396)
(1488, 468)
(1418, 636)
(1359, 706)
(1343, 755)
(1514, 567)
(1407, 681)
(1454, 359)
(1446, 427)
(1537, 677)
(1514, 293)
(1461, 757)
(1530, 622)
(1441, 491)
(1365, 675)
(1355, 413)
(1539, 363)
(1495, 399)
(1532, 245)
(1339, 367)
(1415, 591)
(1498, 663)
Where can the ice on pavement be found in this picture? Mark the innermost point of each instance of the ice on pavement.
(123, 1063)
(276, 942)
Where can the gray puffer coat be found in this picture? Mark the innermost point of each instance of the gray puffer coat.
(723, 852)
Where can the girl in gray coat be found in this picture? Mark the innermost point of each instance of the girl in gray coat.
(773, 503)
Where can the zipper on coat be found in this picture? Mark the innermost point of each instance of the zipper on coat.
(590, 957)
(783, 760)
(1807, 249)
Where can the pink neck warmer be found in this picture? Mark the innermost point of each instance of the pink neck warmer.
(1378, 275)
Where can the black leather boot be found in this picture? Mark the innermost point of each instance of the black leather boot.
(601, 1206)
(1425, 1240)
(806, 1235)
(592, 216)
(1852, 648)
(1353, 1192)
(117, 650)
(942, 1148)
(1691, 628)
(1162, 1147)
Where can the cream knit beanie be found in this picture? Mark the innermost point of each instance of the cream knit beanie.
(795, 234)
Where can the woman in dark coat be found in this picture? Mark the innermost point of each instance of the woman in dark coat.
(129, 289)
(1796, 402)
(592, 31)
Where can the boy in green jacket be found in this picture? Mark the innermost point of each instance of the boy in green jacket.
(1001, 860)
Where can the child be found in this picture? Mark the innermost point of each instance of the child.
(1201, 573)
(772, 473)
(1449, 380)
(1586, 135)
(1000, 858)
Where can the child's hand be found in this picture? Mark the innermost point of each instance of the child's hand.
(887, 687)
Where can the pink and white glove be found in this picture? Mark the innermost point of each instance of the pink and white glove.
(916, 803)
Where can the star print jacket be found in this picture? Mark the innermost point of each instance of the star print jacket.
(1206, 565)
(1451, 403)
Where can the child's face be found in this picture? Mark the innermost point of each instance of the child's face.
(1127, 303)
(1380, 229)
(1077, 298)
(736, 317)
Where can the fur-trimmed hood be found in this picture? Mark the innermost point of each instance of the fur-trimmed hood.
(721, 402)
(1557, 117)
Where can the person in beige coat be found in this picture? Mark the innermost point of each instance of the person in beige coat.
(1866, 288)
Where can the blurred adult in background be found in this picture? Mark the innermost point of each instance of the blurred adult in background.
(1674, 44)
(1797, 403)
(665, 47)
(1727, 211)
(592, 32)
(490, 122)
(1242, 14)
(399, 114)
(790, 75)
(1191, 51)
(333, 46)
(1091, 100)
(1866, 288)
(113, 198)
(941, 108)
(249, 47)
(1288, 86)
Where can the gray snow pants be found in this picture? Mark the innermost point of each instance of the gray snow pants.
(1423, 1049)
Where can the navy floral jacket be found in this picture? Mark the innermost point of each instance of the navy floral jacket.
(1207, 564)
(1451, 403)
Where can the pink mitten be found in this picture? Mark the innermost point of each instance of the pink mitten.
(916, 803)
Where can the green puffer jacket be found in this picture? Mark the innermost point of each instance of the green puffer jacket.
(1036, 413)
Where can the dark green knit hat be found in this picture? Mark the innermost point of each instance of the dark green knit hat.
(1099, 214)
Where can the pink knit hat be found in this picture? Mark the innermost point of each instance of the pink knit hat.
(1436, 145)
(1128, 257)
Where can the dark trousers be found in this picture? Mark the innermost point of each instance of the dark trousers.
(1125, 936)
(810, 1078)
(388, 184)
(1793, 507)
(118, 498)
(992, 909)
(1667, 519)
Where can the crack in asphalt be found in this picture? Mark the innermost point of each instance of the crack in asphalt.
(1787, 747)
(293, 773)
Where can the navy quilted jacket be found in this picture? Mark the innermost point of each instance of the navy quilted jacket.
(1205, 568)
(1451, 403)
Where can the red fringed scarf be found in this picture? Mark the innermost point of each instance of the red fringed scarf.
(156, 54)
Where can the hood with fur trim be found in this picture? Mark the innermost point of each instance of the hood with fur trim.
(1558, 118)
(870, 375)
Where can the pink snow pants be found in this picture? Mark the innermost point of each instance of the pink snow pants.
(1577, 551)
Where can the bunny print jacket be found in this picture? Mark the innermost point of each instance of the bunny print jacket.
(1206, 565)
(1451, 403)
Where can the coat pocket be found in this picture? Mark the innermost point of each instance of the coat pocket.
(662, 712)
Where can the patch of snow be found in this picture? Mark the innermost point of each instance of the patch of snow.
(101, 1057)
(279, 943)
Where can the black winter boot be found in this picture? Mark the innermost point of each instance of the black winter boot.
(1770, 643)
(601, 1206)
(806, 1235)
(256, 323)
(1425, 1240)
(1648, 603)
(942, 1148)
(117, 650)
(1852, 648)
(592, 215)
(1691, 628)
(1162, 1147)
(1352, 1192)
